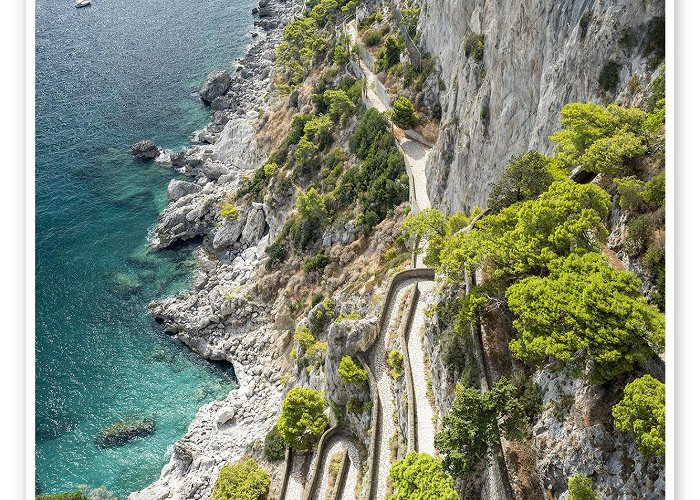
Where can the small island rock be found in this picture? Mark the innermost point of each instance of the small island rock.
(124, 431)
(146, 150)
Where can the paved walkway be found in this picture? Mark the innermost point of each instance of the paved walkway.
(415, 151)
(295, 487)
(387, 403)
(336, 445)
(425, 431)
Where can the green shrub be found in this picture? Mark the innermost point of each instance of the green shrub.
(585, 124)
(390, 55)
(421, 476)
(409, 18)
(317, 262)
(657, 118)
(380, 182)
(404, 115)
(351, 316)
(276, 252)
(242, 480)
(341, 52)
(371, 125)
(639, 232)
(581, 488)
(522, 238)
(395, 358)
(258, 181)
(228, 211)
(304, 336)
(474, 46)
(303, 418)
(654, 192)
(585, 315)
(642, 413)
(658, 89)
(310, 219)
(275, 446)
(350, 372)
(372, 37)
(630, 190)
(355, 406)
(526, 177)
(339, 105)
(584, 22)
(302, 44)
(609, 77)
(374, 17)
(611, 155)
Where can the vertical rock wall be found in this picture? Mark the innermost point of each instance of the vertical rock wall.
(535, 60)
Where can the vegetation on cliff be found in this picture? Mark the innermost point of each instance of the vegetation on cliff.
(243, 480)
(642, 413)
(303, 418)
(420, 476)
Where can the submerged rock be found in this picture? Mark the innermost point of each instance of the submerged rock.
(146, 150)
(124, 431)
(216, 84)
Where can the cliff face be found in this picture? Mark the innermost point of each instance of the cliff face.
(535, 60)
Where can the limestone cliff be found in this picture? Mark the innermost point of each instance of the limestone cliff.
(536, 58)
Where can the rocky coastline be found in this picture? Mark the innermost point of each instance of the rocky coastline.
(218, 318)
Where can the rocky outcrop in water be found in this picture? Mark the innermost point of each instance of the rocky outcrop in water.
(146, 150)
(124, 431)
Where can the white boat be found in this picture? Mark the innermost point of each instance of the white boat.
(81, 3)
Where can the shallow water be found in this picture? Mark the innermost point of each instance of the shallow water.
(108, 75)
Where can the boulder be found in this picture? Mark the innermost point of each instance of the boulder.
(124, 431)
(146, 150)
(178, 159)
(255, 225)
(213, 170)
(227, 233)
(177, 189)
(216, 84)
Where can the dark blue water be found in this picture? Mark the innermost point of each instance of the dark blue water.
(106, 76)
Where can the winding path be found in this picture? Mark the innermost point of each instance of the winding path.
(336, 445)
(415, 149)
(386, 427)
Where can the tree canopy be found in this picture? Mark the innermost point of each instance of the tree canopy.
(526, 177)
(522, 238)
(242, 480)
(303, 418)
(642, 413)
(420, 476)
(585, 311)
(599, 138)
(477, 421)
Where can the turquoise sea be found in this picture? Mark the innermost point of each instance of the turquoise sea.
(106, 76)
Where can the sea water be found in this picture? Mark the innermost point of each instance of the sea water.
(107, 76)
